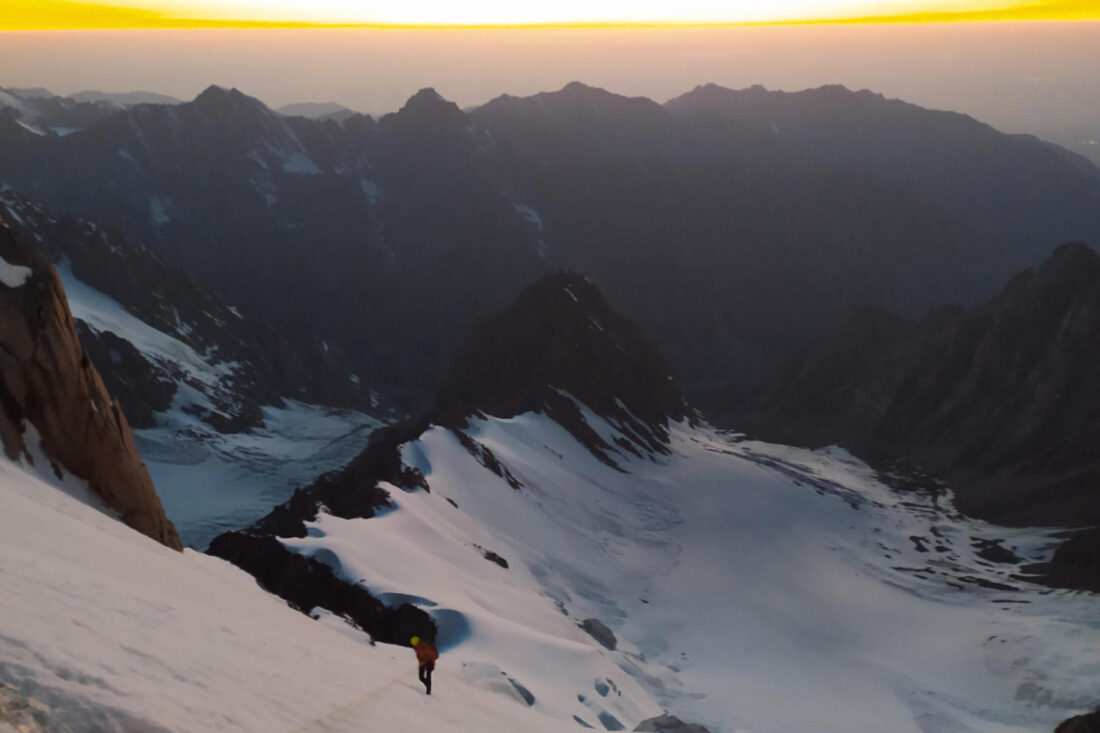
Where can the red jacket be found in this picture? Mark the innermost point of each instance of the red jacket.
(426, 653)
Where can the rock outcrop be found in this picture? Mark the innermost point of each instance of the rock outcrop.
(598, 630)
(669, 724)
(48, 381)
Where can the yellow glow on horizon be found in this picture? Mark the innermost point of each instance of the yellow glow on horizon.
(148, 14)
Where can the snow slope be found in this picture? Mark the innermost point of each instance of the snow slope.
(754, 586)
(105, 630)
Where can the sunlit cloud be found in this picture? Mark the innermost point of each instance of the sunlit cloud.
(56, 14)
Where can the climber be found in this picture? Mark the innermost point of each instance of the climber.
(426, 655)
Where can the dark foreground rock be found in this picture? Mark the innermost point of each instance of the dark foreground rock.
(48, 381)
(1080, 724)
(1075, 564)
(669, 724)
(307, 583)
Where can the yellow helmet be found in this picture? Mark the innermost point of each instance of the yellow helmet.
(415, 640)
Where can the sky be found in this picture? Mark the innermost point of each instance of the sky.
(1021, 76)
(66, 14)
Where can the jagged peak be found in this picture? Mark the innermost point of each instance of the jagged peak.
(219, 97)
(427, 99)
(561, 341)
(576, 91)
(579, 87)
(1071, 267)
(214, 92)
(1072, 256)
(427, 94)
(427, 110)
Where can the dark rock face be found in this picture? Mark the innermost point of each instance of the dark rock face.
(680, 212)
(1075, 564)
(562, 336)
(47, 380)
(140, 390)
(1080, 724)
(669, 724)
(599, 631)
(266, 367)
(307, 584)
(493, 557)
(352, 492)
(1002, 399)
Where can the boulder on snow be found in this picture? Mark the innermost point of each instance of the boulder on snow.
(48, 381)
(669, 724)
(599, 631)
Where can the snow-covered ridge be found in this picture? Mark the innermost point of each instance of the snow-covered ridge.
(751, 586)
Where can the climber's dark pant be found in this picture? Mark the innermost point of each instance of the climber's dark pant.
(426, 675)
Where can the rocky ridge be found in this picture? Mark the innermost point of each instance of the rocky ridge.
(559, 350)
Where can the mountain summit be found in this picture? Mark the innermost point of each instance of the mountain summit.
(558, 345)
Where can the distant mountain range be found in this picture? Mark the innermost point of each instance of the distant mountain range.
(733, 226)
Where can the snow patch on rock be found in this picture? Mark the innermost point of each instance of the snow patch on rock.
(13, 276)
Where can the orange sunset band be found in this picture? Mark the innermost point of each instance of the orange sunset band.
(64, 15)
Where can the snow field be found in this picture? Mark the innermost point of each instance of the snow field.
(752, 586)
(110, 631)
